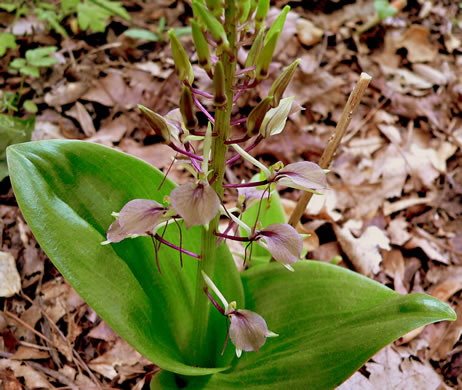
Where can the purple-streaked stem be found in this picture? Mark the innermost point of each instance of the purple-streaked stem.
(246, 185)
(185, 152)
(245, 86)
(228, 228)
(237, 121)
(245, 70)
(201, 93)
(238, 95)
(202, 108)
(169, 244)
(235, 238)
(247, 149)
(237, 140)
(218, 307)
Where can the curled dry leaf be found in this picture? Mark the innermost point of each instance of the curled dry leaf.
(419, 48)
(10, 281)
(363, 252)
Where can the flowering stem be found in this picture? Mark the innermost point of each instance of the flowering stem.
(202, 348)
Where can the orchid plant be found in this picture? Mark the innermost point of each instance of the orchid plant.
(164, 274)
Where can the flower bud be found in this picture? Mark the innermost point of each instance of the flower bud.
(254, 52)
(214, 26)
(202, 47)
(244, 8)
(278, 25)
(275, 119)
(262, 10)
(183, 66)
(187, 109)
(219, 96)
(265, 57)
(157, 123)
(281, 83)
(215, 6)
(257, 115)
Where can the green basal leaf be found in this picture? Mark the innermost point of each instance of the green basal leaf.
(384, 10)
(30, 106)
(330, 321)
(66, 191)
(12, 131)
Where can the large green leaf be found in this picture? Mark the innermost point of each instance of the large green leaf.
(67, 191)
(330, 321)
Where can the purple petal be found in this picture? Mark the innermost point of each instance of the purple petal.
(197, 204)
(302, 175)
(284, 243)
(248, 330)
(140, 216)
(115, 233)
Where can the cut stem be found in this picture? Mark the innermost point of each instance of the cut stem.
(334, 142)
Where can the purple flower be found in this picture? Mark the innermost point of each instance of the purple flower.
(248, 331)
(303, 175)
(196, 203)
(283, 242)
(137, 217)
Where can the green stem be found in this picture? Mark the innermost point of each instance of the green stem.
(201, 352)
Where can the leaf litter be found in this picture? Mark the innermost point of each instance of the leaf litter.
(392, 210)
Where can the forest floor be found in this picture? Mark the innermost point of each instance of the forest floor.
(399, 169)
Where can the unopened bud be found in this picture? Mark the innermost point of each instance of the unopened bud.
(281, 83)
(262, 10)
(278, 25)
(157, 123)
(265, 57)
(214, 26)
(244, 8)
(202, 47)
(257, 115)
(183, 66)
(219, 97)
(215, 6)
(254, 52)
(187, 109)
